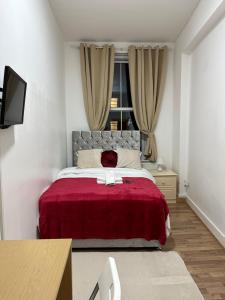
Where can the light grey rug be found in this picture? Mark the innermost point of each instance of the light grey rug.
(143, 275)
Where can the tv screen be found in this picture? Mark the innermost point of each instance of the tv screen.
(13, 98)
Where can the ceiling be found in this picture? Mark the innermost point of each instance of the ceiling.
(122, 20)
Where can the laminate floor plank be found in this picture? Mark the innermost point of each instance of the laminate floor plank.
(201, 252)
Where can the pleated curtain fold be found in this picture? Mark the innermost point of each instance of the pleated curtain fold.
(97, 68)
(147, 69)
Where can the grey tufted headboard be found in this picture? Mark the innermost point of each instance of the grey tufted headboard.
(104, 140)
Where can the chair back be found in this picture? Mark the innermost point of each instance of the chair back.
(108, 284)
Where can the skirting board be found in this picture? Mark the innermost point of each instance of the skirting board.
(208, 223)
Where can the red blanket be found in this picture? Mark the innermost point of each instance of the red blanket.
(79, 208)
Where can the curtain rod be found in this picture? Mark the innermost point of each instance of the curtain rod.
(125, 47)
(119, 48)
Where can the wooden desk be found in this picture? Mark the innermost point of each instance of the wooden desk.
(35, 270)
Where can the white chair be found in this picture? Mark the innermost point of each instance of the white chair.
(108, 284)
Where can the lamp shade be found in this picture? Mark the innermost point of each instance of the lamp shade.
(160, 164)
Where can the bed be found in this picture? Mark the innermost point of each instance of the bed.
(131, 214)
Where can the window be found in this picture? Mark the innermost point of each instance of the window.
(121, 116)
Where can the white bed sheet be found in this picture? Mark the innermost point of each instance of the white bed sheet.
(75, 172)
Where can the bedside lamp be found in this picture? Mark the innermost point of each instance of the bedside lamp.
(160, 164)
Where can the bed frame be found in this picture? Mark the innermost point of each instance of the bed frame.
(107, 140)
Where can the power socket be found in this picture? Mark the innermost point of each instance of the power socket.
(186, 184)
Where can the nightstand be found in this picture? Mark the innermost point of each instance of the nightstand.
(165, 180)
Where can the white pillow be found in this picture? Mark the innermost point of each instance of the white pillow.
(128, 159)
(89, 158)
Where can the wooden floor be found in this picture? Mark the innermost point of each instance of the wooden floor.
(202, 254)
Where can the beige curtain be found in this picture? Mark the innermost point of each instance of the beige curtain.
(97, 68)
(147, 68)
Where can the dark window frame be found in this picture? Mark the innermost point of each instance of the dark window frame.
(121, 111)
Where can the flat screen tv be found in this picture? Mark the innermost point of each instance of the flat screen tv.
(13, 99)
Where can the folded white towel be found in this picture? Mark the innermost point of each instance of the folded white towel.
(109, 179)
(117, 181)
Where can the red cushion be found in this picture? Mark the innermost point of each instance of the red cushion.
(109, 159)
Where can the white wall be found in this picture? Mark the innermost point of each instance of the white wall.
(75, 113)
(206, 172)
(76, 118)
(199, 114)
(31, 154)
(202, 21)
